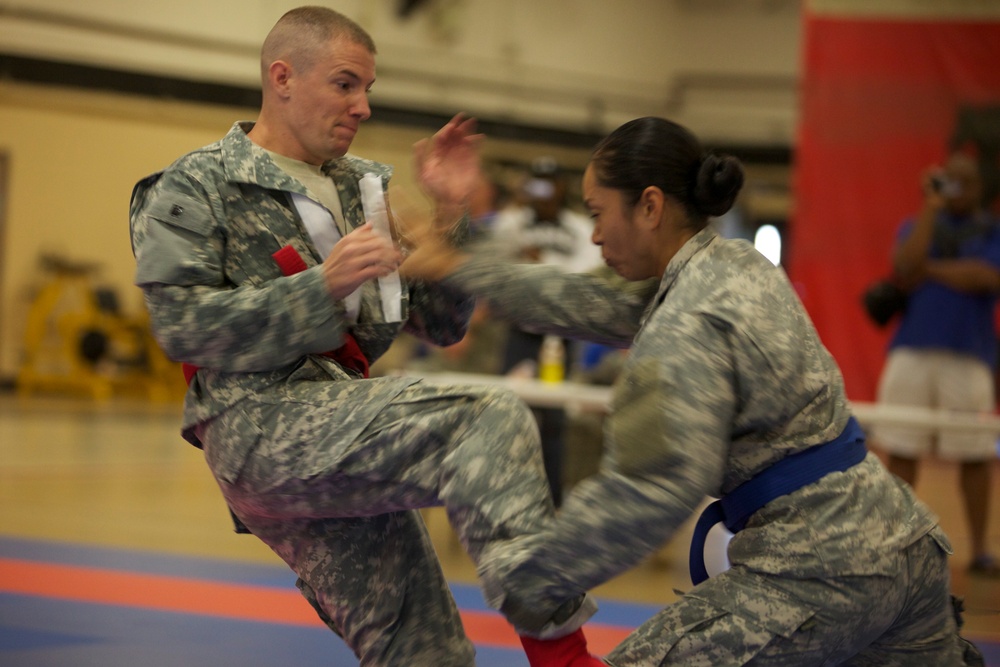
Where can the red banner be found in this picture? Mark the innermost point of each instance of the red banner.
(881, 101)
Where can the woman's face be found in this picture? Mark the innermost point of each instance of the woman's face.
(623, 245)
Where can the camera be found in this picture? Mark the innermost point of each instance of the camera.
(945, 186)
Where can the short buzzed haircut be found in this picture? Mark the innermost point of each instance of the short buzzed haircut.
(302, 32)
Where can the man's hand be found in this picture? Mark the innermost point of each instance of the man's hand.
(447, 165)
(357, 258)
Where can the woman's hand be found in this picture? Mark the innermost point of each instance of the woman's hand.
(430, 255)
(447, 165)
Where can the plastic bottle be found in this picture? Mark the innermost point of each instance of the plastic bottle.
(552, 360)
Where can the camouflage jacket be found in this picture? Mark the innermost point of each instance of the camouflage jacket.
(203, 232)
(726, 375)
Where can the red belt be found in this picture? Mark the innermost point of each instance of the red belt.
(348, 355)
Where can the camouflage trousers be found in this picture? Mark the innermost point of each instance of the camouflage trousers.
(746, 618)
(343, 515)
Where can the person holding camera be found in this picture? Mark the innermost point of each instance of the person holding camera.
(944, 351)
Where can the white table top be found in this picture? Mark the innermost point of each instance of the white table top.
(597, 398)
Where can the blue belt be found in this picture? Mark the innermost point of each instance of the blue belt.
(787, 475)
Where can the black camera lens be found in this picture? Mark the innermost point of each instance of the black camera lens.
(946, 186)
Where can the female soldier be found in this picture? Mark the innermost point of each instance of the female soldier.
(727, 392)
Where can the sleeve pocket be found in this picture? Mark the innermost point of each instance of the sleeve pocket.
(182, 211)
(173, 243)
(636, 421)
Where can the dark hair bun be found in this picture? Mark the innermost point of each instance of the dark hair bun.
(717, 183)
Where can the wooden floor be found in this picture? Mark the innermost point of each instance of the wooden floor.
(117, 475)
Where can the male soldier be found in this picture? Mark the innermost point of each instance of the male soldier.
(260, 272)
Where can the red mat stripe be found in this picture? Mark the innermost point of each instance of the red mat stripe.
(236, 601)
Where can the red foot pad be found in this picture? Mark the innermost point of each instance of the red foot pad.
(568, 651)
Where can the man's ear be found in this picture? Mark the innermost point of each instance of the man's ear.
(279, 74)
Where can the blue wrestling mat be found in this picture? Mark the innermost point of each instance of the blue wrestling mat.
(64, 605)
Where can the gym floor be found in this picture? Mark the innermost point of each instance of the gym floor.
(116, 550)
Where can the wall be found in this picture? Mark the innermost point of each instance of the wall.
(72, 161)
(727, 68)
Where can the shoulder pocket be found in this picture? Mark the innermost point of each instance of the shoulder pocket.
(171, 239)
(182, 211)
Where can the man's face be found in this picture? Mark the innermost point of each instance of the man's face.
(329, 101)
(546, 197)
(963, 172)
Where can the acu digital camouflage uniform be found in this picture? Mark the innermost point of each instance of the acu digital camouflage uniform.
(726, 376)
(323, 466)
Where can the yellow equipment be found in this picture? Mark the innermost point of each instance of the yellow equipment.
(77, 341)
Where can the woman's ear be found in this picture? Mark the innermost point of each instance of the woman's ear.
(650, 207)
